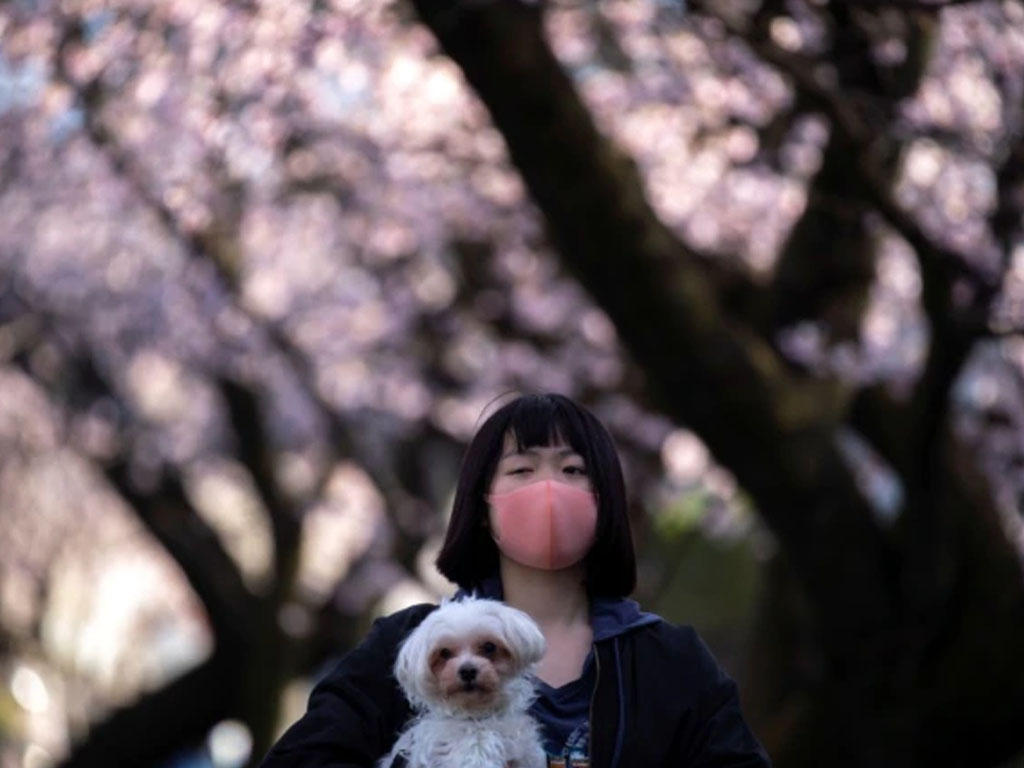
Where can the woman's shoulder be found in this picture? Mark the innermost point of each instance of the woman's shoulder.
(679, 646)
(677, 635)
(379, 646)
(406, 618)
(387, 632)
(392, 628)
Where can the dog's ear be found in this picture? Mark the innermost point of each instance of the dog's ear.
(411, 665)
(525, 639)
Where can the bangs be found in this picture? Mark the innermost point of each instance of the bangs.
(540, 422)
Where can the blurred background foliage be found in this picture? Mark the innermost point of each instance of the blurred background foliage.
(264, 265)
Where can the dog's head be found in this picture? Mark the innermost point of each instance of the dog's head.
(470, 656)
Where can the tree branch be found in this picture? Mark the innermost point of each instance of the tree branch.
(913, 5)
(862, 140)
(921, 423)
(254, 450)
(150, 730)
(218, 239)
(195, 547)
(219, 244)
(169, 516)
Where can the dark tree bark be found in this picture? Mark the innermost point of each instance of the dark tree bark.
(149, 731)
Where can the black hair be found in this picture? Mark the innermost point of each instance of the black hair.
(469, 555)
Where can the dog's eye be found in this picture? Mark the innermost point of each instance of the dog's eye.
(445, 654)
(489, 648)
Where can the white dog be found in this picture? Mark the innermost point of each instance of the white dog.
(467, 672)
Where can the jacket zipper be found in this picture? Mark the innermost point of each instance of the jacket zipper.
(593, 695)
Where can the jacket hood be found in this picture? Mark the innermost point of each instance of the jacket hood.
(614, 616)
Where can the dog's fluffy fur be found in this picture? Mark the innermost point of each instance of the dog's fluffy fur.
(467, 671)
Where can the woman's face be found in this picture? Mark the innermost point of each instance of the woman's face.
(531, 465)
(552, 530)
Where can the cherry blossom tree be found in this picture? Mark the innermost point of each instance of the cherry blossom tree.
(264, 264)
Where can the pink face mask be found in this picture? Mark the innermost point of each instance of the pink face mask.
(547, 524)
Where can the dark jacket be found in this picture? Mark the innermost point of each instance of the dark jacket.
(660, 700)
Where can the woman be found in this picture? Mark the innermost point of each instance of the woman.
(539, 521)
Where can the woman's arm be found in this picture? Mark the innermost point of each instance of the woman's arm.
(354, 712)
(723, 739)
(717, 736)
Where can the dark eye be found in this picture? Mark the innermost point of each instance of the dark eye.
(519, 471)
(445, 654)
(489, 648)
(574, 470)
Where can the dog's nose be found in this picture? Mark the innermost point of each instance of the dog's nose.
(467, 672)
